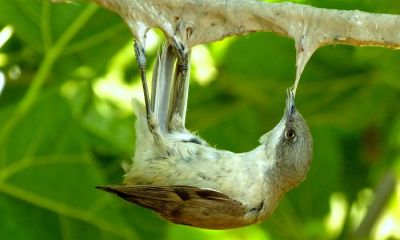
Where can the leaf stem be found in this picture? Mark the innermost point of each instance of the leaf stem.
(45, 25)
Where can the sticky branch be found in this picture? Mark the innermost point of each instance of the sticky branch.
(193, 22)
(204, 21)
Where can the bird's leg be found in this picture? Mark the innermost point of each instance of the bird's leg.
(151, 120)
(180, 87)
(142, 62)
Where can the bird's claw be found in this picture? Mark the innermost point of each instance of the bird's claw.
(182, 51)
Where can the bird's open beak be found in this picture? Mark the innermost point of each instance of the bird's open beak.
(290, 106)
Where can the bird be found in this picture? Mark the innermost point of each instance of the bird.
(186, 181)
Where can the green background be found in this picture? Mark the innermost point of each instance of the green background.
(66, 124)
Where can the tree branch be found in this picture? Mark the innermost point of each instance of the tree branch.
(194, 22)
(204, 21)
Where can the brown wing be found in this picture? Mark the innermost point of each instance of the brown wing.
(191, 206)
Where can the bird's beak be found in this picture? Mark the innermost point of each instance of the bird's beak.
(290, 106)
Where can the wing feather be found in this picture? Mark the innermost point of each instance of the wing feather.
(197, 207)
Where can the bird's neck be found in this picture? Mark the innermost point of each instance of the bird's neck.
(280, 176)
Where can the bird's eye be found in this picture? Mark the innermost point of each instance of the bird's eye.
(290, 135)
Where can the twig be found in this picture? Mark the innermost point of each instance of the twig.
(382, 195)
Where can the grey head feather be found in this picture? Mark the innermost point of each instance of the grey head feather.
(294, 146)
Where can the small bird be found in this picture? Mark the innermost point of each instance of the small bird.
(184, 179)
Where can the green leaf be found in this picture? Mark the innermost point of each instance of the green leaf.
(53, 174)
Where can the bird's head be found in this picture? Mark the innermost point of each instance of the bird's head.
(290, 145)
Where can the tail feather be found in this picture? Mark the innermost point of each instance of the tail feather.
(162, 78)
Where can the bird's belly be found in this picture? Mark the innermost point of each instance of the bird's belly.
(203, 167)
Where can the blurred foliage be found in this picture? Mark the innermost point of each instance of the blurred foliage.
(67, 77)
